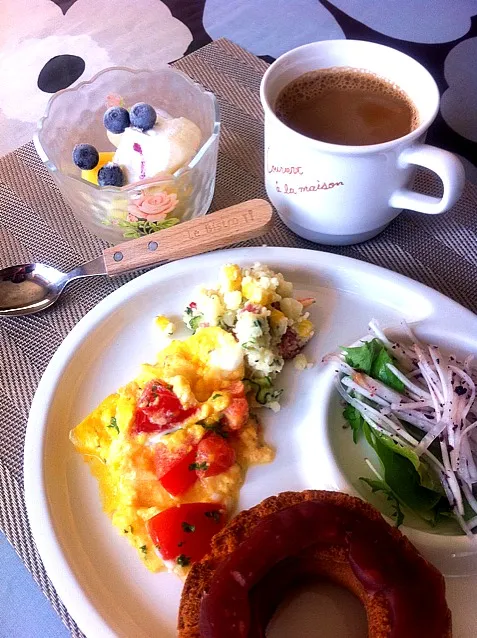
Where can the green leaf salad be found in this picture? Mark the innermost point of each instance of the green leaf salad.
(415, 407)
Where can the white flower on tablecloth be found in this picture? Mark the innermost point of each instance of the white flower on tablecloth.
(20, 96)
(459, 101)
(22, 19)
(426, 21)
(91, 36)
(266, 28)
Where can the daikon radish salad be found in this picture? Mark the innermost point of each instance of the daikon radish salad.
(416, 407)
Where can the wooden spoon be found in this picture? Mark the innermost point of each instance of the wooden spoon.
(29, 288)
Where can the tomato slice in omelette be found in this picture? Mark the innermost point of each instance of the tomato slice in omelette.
(179, 433)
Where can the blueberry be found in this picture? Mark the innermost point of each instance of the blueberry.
(116, 119)
(85, 156)
(110, 175)
(143, 116)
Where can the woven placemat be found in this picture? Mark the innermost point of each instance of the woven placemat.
(36, 225)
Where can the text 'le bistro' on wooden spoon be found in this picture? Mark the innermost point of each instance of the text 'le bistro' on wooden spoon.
(29, 288)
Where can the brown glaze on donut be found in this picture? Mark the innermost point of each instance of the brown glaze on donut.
(297, 536)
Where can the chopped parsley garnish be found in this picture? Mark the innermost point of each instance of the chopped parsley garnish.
(257, 323)
(198, 466)
(215, 514)
(194, 322)
(172, 432)
(187, 527)
(216, 396)
(217, 429)
(128, 529)
(143, 549)
(183, 560)
(113, 424)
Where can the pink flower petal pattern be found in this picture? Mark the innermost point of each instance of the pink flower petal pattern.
(152, 207)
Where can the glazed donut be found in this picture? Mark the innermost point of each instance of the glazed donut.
(295, 536)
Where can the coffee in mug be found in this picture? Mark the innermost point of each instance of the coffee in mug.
(329, 178)
(346, 106)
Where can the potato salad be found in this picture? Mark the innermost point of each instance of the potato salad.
(257, 306)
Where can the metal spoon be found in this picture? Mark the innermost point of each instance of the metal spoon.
(29, 288)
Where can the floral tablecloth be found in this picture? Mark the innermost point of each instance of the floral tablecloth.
(47, 45)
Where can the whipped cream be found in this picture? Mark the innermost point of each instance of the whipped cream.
(169, 145)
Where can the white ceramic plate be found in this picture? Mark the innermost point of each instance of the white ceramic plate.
(96, 573)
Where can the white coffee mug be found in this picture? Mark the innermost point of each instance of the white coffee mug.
(336, 194)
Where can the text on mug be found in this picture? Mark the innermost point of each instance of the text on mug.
(306, 188)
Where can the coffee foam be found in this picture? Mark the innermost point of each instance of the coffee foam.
(309, 86)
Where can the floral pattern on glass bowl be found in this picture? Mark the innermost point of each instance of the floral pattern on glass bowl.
(76, 116)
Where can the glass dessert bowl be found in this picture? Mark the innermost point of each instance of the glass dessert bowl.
(75, 116)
